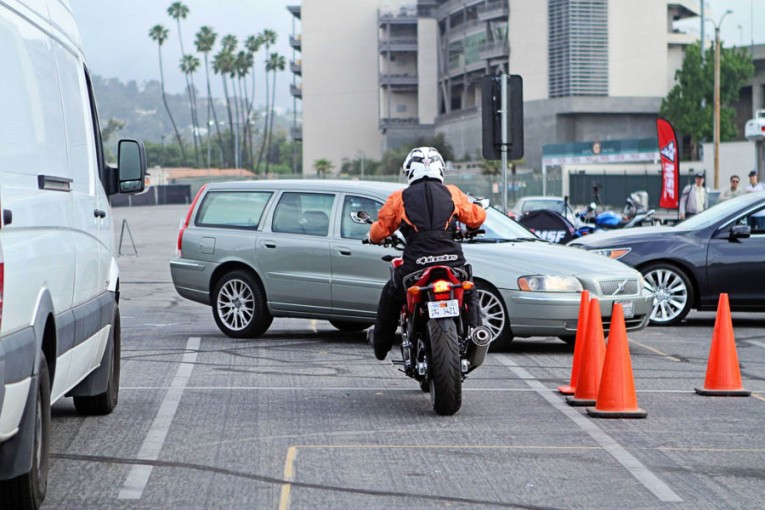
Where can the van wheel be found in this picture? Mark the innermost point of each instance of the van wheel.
(105, 403)
(349, 325)
(239, 306)
(27, 492)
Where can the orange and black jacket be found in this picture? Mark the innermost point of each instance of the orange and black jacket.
(426, 212)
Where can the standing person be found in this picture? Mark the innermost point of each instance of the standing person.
(754, 184)
(426, 212)
(694, 198)
(733, 191)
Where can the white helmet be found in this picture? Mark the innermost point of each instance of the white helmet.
(423, 162)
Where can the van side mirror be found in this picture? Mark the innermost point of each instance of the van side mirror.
(131, 169)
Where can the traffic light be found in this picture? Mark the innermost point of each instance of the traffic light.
(491, 116)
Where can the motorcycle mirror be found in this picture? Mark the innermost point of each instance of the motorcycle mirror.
(361, 217)
(483, 202)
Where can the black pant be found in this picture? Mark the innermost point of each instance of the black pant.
(393, 298)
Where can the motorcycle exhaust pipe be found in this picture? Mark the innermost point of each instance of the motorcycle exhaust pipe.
(480, 336)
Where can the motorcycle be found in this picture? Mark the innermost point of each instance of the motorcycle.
(635, 214)
(438, 348)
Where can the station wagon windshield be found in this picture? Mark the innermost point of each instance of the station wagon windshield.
(499, 227)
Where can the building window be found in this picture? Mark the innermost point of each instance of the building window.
(400, 108)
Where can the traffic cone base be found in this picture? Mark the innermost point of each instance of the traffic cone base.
(566, 390)
(723, 393)
(636, 413)
(579, 402)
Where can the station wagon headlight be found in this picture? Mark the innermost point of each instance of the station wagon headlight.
(613, 253)
(549, 284)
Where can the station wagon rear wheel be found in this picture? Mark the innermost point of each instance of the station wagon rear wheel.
(672, 293)
(239, 306)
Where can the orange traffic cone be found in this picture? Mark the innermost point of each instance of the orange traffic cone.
(616, 395)
(723, 374)
(594, 351)
(581, 331)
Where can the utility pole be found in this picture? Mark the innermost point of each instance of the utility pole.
(504, 141)
(717, 108)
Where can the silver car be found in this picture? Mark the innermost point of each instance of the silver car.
(257, 250)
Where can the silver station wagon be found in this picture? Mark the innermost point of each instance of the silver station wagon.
(262, 249)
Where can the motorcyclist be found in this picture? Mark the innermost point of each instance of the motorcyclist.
(426, 213)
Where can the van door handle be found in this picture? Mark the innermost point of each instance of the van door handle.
(269, 244)
(98, 213)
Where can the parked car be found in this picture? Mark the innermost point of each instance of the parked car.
(59, 280)
(258, 250)
(535, 203)
(687, 266)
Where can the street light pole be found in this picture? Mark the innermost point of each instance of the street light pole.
(716, 110)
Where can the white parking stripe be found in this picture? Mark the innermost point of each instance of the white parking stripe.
(651, 482)
(136, 481)
(756, 343)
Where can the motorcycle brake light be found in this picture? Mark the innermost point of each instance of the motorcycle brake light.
(441, 286)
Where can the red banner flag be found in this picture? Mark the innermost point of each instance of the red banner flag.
(670, 165)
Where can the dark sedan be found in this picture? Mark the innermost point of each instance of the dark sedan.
(687, 266)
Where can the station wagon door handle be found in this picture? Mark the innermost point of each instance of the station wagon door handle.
(268, 244)
(98, 213)
(343, 251)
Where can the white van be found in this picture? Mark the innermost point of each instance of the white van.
(59, 281)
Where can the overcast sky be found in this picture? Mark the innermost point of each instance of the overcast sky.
(115, 34)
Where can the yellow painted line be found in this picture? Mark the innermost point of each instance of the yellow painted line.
(289, 476)
(656, 351)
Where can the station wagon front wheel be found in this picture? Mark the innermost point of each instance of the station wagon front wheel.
(239, 305)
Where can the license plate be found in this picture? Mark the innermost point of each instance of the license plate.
(440, 309)
(629, 309)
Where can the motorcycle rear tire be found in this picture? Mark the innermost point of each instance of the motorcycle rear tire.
(445, 376)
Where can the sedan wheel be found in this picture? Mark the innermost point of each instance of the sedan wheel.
(239, 306)
(672, 291)
(494, 317)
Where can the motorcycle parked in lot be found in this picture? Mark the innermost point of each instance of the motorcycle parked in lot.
(636, 214)
(438, 348)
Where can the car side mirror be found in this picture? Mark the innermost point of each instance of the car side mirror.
(740, 232)
(361, 217)
(131, 169)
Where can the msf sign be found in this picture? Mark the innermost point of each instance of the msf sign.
(554, 236)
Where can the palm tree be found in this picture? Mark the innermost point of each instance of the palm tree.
(322, 167)
(223, 63)
(253, 44)
(159, 34)
(244, 63)
(188, 66)
(275, 64)
(268, 38)
(179, 11)
(204, 43)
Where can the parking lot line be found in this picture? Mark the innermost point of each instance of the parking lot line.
(289, 476)
(136, 481)
(654, 350)
(649, 480)
(349, 389)
(756, 343)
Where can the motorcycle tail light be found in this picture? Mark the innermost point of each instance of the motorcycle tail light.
(441, 286)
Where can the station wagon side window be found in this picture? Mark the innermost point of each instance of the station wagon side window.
(352, 204)
(233, 209)
(303, 213)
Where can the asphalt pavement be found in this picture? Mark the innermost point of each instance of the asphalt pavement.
(306, 418)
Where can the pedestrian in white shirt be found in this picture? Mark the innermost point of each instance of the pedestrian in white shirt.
(754, 184)
(694, 198)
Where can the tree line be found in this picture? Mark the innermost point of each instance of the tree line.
(235, 137)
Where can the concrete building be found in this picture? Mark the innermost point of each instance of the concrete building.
(377, 74)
